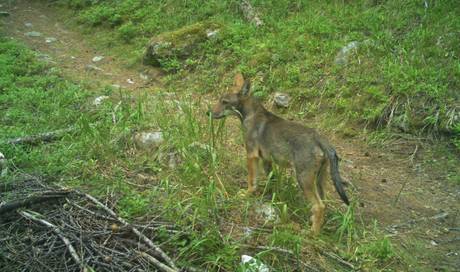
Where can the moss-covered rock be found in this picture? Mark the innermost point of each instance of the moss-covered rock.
(180, 43)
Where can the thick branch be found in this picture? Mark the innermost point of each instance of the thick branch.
(33, 199)
(42, 137)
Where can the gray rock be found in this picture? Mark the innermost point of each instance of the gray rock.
(50, 39)
(33, 34)
(344, 53)
(212, 33)
(28, 24)
(268, 212)
(97, 58)
(144, 76)
(91, 67)
(99, 100)
(282, 100)
(252, 264)
(3, 165)
(180, 43)
(148, 140)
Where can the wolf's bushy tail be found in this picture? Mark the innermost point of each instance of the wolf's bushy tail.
(334, 165)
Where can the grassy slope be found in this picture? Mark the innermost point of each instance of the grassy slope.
(99, 157)
(293, 53)
(405, 74)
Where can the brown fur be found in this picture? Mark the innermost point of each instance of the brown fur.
(271, 138)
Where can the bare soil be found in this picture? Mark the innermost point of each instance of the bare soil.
(404, 185)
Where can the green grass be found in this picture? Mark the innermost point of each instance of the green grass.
(396, 79)
(200, 195)
(404, 74)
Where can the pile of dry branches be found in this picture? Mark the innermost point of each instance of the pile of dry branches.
(46, 228)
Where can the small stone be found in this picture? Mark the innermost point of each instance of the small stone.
(149, 139)
(384, 180)
(91, 67)
(144, 76)
(98, 100)
(50, 39)
(212, 33)
(33, 34)
(72, 57)
(130, 81)
(3, 165)
(282, 100)
(268, 212)
(433, 243)
(28, 24)
(247, 231)
(367, 154)
(97, 58)
(252, 264)
(173, 160)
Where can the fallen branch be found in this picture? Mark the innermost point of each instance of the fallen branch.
(250, 13)
(76, 258)
(338, 259)
(156, 262)
(42, 137)
(143, 238)
(436, 217)
(33, 199)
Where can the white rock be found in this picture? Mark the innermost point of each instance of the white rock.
(91, 67)
(212, 33)
(33, 34)
(130, 81)
(342, 56)
(282, 100)
(97, 58)
(144, 76)
(253, 265)
(98, 100)
(50, 39)
(3, 165)
(268, 212)
(149, 139)
(28, 24)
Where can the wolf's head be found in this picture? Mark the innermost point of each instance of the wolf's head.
(231, 103)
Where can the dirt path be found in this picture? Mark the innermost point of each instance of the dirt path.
(35, 23)
(411, 200)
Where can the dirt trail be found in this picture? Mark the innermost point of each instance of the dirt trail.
(68, 49)
(390, 187)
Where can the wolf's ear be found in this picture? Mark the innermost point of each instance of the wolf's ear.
(238, 82)
(245, 90)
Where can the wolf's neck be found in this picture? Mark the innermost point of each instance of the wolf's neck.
(249, 108)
